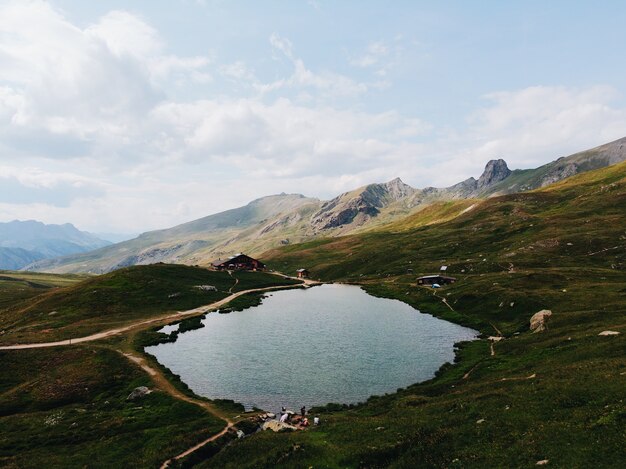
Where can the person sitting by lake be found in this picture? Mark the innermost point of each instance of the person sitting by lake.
(305, 422)
(284, 417)
(316, 421)
(303, 411)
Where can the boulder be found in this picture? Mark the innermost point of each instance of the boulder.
(277, 426)
(138, 393)
(538, 321)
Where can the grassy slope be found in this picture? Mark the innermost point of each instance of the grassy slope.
(18, 286)
(123, 296)
(67, 408)
(557, 395)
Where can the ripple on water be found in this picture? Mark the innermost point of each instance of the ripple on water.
(332, 343)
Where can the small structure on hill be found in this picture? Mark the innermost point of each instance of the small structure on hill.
(435, 279)
(303, 273)
(239, 262)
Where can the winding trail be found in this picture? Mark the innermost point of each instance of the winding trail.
(143, 324)
(155, 374)
(164, 384)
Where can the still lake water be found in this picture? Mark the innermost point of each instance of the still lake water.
(331, 343)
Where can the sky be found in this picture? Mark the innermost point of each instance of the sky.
(128, 116)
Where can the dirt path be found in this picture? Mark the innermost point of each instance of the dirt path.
(143, 324)
(235, 284)
(164, 385)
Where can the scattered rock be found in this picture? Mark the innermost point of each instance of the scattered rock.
(608, 333)
(543, 462)
(137, 393)
(538, 321)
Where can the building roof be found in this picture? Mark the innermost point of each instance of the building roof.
(436, 276)
(231, 258)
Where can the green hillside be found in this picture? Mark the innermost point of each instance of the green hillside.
(126, 295)
(557, 395)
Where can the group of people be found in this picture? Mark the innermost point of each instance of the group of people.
(302, 420)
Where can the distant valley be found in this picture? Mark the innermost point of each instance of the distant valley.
(283, 219)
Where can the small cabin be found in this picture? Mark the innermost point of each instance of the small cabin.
(239, 262)
(432, 279)
(303, 273)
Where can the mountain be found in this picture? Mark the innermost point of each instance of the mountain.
(285, 219)
(527, 179)
(24, 242)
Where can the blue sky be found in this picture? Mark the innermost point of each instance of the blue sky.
(136, 115)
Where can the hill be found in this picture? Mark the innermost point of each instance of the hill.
(285, 219)
(522, 399)
(24, 242)
(121, 297)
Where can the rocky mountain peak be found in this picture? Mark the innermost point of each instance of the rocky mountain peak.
(398, 189)
(495, 171)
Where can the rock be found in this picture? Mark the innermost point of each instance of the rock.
(206, 287)
(240, 434)
(538, 321)
(379, 428)
(277, 426)
(608, 333)
(270, 415)
(480, 421)
(137, 393)
(495, 171)
(543, 462)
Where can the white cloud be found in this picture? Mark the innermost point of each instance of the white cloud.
(326, 83)
(90, 131)
(374, 53)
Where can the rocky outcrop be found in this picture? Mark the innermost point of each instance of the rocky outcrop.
(495, 172)
(538, 321)
(358, 206)
(138, 393)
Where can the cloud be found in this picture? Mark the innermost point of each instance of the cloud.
(327, 83)
(87, 86)
(92, 129)
(374, 53)
(32, 185)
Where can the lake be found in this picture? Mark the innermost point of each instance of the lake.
(331, 343)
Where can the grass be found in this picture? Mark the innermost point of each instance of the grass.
(19, 286)
(118, 298)
(556, 395)
(67, 407)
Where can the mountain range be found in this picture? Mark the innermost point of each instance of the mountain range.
(24, 242)
(276, 220)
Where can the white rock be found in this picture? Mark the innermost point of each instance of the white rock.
(607, 333)
(538, 321)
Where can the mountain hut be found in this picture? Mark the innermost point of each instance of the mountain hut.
(239, 262)
(438, 279)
